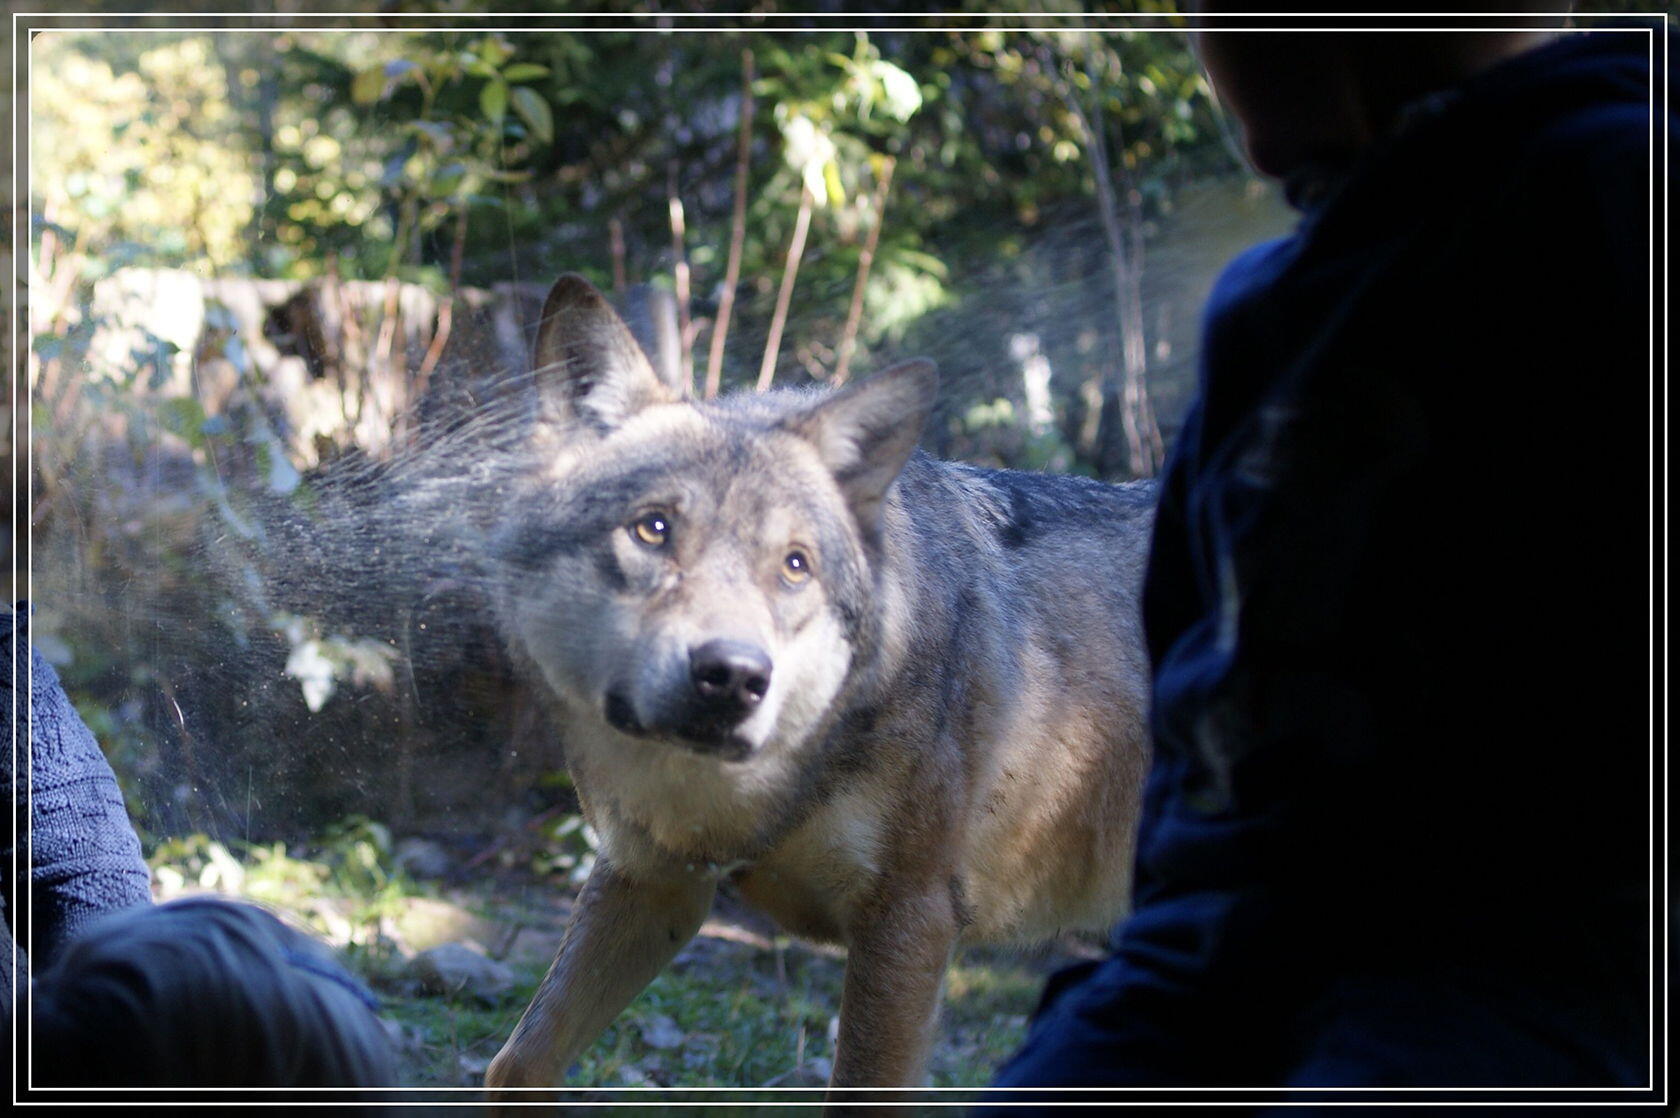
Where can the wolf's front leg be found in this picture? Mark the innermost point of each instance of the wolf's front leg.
(895, 965)
(621, 935)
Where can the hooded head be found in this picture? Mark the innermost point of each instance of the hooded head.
(1320, 97)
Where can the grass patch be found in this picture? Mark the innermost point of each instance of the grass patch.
(725, 1019)
(728, 1012)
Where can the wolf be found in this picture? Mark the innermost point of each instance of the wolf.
(898, 702)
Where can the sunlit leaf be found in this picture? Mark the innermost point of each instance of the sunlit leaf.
(903, 95)
(831, 182)
(493, 50)
(436, 131)
(534, 111)
(524, 72)
(184, 415)
(368, 85)
(493, 99)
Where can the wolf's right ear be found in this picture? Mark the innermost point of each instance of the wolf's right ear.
(587, 365)
(866, 432)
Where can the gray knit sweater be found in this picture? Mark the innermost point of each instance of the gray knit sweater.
(70, 816)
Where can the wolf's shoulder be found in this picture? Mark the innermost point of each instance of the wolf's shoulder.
(1020, 506)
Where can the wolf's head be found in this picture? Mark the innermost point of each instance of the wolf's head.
(697, 574)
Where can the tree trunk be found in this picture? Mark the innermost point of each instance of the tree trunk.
(1126, 395)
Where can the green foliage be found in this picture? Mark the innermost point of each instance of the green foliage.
(201, 630)
(137, 152)
(359, 851)
(344, 884)
(568, 849)
(361, 147)
(197, 861)
(738, 1015)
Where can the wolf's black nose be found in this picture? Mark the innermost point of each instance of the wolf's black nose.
(730, 674)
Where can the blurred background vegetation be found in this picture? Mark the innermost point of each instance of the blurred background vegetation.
(273, 272)
(268, 263)
(975, 168)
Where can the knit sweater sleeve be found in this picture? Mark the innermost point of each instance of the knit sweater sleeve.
(74, 845)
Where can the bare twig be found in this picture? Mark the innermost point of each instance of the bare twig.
(385, 348)
(446, 313)
(385, 354)
(854, 315)
(796, 249)
(353, 346)
(1143, 435)
(737, 232)
(679, 273)
(615, 234)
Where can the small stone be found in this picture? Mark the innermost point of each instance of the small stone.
(456, 969)
(814, 1072)
(423, 923)
(699, 1050)
(422, 857)
(660, 1031)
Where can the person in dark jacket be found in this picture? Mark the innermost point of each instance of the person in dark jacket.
(1397, 831)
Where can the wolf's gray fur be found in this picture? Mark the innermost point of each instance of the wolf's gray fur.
(898, 701)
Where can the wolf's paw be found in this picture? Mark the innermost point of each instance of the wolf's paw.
(510, 1082)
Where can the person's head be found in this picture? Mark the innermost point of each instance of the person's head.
(203, 993)
(1306, 97)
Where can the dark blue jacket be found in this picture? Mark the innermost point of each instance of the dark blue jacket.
(1398, 600)
(1398, 824)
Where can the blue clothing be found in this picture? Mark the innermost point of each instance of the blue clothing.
(1396, 831)
(86, 857)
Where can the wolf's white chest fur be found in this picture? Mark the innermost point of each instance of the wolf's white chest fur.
(654, 803)
(655, 806)
(812, 881)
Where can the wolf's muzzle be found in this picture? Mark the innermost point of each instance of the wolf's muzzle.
(727, 682)
(621, 716)
(730, 679)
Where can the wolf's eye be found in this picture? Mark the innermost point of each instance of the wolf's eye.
(650, 529)
(796, 567)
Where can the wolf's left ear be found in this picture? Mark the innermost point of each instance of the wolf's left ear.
(587, 364)
(867, 431)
